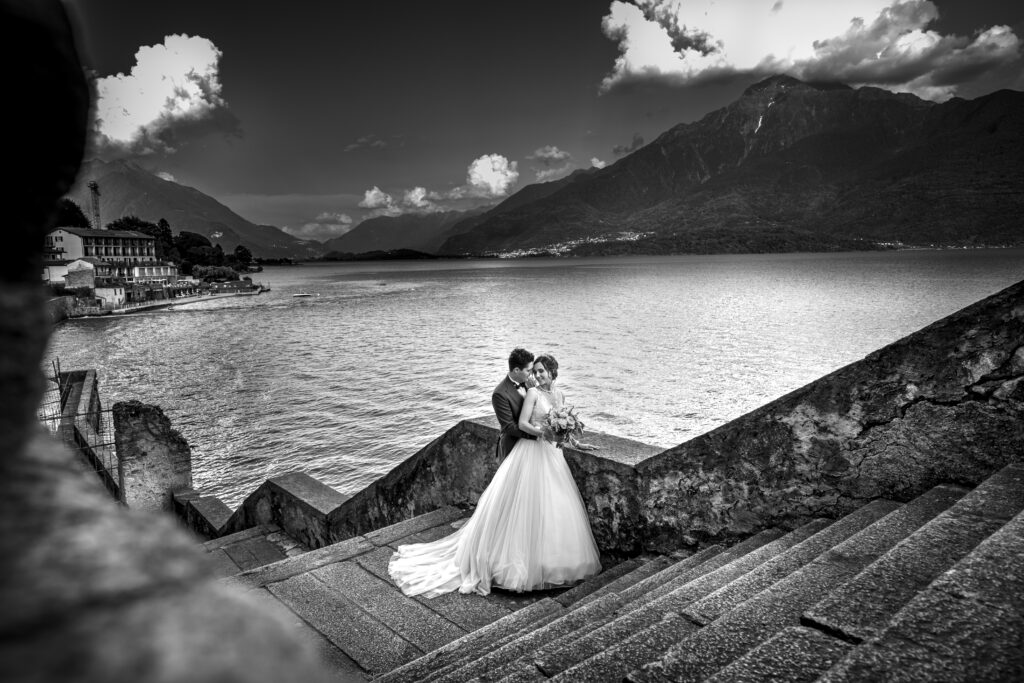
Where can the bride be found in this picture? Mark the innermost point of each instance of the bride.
(529, 529)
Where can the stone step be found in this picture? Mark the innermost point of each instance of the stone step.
(639, 568)
(594, 583)
(469, 612)
(300, 564)
(968, 625)
(649, 627)
(397, 532)
(555, 655)
(441, 674)
(639, 571)
(244, 535)
(473, 644)
(702, 654)
(411, 620)
(795, 655)
(343, 550)
(863, 607)
(638, 613)
(489, 666)
(724, 599)
(375, 647)
(682, 566)
(253, 552)
(254, 547)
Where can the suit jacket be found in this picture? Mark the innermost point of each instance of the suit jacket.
(508, 404)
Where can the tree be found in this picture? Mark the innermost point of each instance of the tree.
(210, 273)
(70, 215)
(185, 240)
(133, 223)
(243, 256)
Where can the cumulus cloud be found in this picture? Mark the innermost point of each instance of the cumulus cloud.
(380, 203)
(597, 163)
(173, 94)
(487, 177)
(636, 143)
(491, 175)
(885, 43)
(327, 225)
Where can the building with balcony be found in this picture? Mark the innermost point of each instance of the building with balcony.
(124, 246)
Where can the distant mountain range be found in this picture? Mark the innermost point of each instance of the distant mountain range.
(415, 231)
(789, 166)
(128, 189)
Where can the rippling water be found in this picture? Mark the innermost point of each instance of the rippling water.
(347, 384)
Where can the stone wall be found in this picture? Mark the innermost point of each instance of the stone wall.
(455, 469)
(943, 404)
(154, 460)
(296, 502)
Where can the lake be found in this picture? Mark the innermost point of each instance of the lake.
(387, 356)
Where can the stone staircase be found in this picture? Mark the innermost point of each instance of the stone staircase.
(928, 590)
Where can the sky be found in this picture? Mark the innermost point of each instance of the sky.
(316, 115)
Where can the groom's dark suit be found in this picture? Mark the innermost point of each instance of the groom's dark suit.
(508, 404)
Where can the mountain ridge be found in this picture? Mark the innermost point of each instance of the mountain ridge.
(795, 159)
(128, 189)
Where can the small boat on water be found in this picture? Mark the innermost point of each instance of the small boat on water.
(306, 294)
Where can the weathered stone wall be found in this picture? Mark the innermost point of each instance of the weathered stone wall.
(296, 502)
(943, 404)
(154, 460)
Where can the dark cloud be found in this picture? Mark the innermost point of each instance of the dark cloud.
(623, 150)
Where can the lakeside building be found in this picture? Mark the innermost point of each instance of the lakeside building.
(117, 267)
(125, 246)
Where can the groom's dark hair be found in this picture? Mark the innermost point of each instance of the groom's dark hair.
(519, 358)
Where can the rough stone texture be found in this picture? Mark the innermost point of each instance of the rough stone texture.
(862, 607)
(796, 655)
(300, 564)
(416, 623)
(207, 515)
(473, 644)
(943, 404)
(296, 502)
(154, 460)
(754, 621)
(938, 637)
(721, 601)
(375, 647)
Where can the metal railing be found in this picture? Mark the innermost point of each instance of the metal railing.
(89, 432)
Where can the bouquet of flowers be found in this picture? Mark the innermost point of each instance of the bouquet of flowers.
(565, 424)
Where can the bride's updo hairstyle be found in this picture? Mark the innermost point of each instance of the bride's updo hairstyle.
(549, 363)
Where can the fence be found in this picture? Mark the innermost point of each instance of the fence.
(71, 410)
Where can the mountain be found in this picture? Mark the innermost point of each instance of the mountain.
(416, 231)
(790, 166)
(127, 189)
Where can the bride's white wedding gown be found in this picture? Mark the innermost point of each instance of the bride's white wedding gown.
(529, 531)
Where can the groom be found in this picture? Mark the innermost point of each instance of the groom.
(507, 400)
